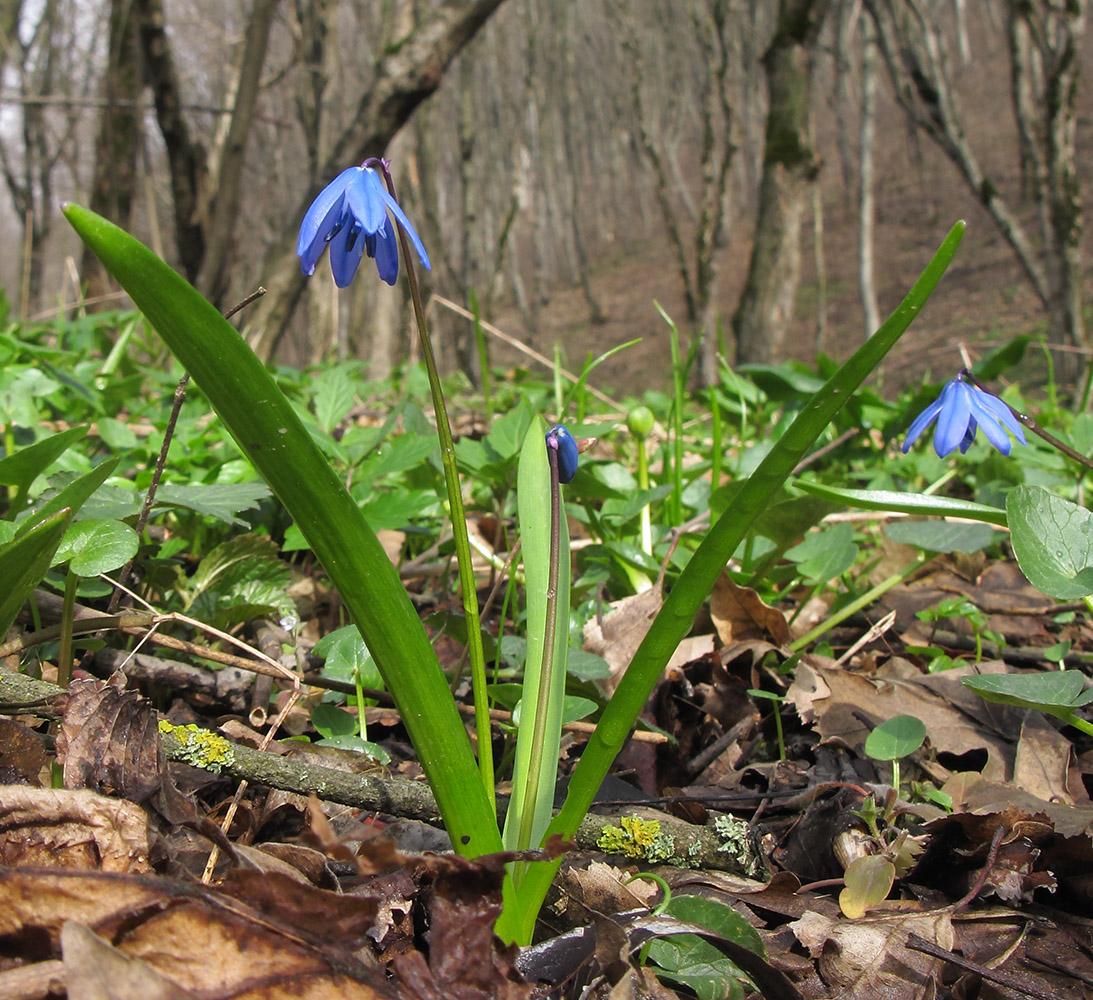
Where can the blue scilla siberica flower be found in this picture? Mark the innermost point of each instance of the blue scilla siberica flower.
(350, 214)
(959, 411)
(562, 442)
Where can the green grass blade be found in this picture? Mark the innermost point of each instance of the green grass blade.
(20, 469)
(270, 434)
(905, 503)
(24, 562)
(697, 580)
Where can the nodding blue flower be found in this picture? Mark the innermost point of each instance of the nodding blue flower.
(351, 215)
(562, 442)
(960, 410)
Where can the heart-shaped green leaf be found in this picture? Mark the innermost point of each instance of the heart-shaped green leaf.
(1053, 542)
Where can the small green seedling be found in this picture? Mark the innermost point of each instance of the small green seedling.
(961, 607)
(869, 879)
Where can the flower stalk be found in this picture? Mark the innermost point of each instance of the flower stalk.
(460, 535)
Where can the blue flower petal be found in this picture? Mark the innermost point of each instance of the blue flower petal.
(386, 253)
(562, 441)
(920, 423)
(321, 220)
(410, 231)
(1000, 412)
(364, 201)
(952, 421)
(346, 251)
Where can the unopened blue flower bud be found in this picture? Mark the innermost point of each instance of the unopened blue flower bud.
(562, 442)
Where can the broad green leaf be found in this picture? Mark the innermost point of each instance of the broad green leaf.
(71, 497)
(868, 882)
(24, 562)
(688, 959)
(94, 547)
(1053, 542)
(347, 741)
(895, 738)
(1001, 359)
(587, 666)
(223, 501)
(347, 656)
(1059, 693)
(941, 536)
(825, 554)
(268, 431)
(904, 503)
(331, 721)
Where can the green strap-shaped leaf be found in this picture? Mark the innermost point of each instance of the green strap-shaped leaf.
(24, 562)
(20, 469)
(697, 580)
(905, 503)
(266, 427)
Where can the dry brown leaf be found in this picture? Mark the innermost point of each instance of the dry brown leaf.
(1043, 760)
(869, 958)
(109, 742)
(23, 757)
(94, 970)
(72, 829)
(617, 636)
(846, 705)
(603, 887)
(739, 614)
(205, 941)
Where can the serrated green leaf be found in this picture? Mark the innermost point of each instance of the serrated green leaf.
(220, 500)
(1053, 542)
(333, 392)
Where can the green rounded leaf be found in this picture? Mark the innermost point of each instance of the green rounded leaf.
(868, 882)
(941, 536)
(93, 547)
(899, 737)
(1053, 542)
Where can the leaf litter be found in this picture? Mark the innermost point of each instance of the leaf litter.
(102, 841)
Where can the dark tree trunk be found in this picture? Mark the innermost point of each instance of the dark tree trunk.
(113, 185)
(790, 166)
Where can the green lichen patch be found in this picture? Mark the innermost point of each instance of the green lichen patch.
(634, 839)
(200, 747)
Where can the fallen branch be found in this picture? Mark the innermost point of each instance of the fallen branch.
(659, 839)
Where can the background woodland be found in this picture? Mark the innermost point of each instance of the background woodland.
(773, 173)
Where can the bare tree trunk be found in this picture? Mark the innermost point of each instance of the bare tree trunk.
(866, 210)
(186, 157)
(913, 54)
(113, 185)
(790, 166)
(223, 209)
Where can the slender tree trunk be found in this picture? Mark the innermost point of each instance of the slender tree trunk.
(790, 167)
(113, 185)
(866, 210)
(223, 210)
